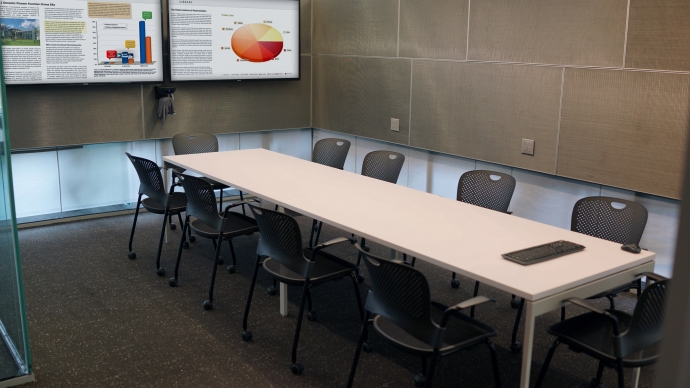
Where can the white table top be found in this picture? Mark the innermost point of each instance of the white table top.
(457, 236)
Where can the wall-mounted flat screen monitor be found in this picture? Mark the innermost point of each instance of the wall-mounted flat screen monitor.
(81, 41)
(234, 39)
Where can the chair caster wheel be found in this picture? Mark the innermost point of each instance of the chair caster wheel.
(514, 303)
(455, 283)
(231, 269)
(595, 384)
(185, 245)
(161, 272)
(297, 368)
(360, 278)
(419, 380)
(173, 226)
(192, 238)
(132, 255)
(247, 335)
(208, 305)
(515, 347)
(220, 261)
(272, 290)
(311, 315)
(367, 348)
(172, 282)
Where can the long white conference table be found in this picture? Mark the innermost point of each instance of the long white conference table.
(456, 236)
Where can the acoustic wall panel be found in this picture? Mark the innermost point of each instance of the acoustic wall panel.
(625, 129)
(356, 27)
(359, 96)
(483, 111)
(48, 116)
(571, 32)
(305, 26)
(223, 107)
(659, 35)
(433, 28)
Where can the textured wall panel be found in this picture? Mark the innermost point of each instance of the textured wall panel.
(482, 111)
(305, 26)
(356, 27)
(46, 116)
(625, 129)
(223, 107)
(433, 28)
(659, 35)
(360, 96)
(573, 32)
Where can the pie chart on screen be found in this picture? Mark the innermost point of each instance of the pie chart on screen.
(257, 42)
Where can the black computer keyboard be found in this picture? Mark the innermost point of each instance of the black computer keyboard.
(543, 252)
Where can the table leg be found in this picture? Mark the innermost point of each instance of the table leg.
(283, 289)
(636, 377)
(527, 345)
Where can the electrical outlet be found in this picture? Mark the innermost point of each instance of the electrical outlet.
(528, 147)
(395, 125)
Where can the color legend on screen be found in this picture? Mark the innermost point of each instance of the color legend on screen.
(257, 42)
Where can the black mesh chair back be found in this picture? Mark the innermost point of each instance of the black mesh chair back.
(488, 189)
(193, 143)
(598, 217)
(331, 152)
(383, 165)
(201, 200)
(281, 240)
(150, 179)
(647, 319)
(400, 293)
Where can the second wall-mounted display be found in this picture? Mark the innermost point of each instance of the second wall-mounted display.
(234, 39)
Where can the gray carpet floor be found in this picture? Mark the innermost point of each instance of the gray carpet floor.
(97, 319)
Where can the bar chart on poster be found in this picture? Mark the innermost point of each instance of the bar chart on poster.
(81, 41)
(234, 39)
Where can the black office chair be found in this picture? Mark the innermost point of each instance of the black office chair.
(617, 339)
(612, 219)
(405, 316)
(488, 189)
(285, 260)
(329, 152)
(198, 143)
(158, 201)
(209, 224)
(385, 166)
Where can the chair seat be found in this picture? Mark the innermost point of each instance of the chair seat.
(178, 204)
(327, 267)
(592, 333)
(461, 332)
(614, 291)
(216, 185)
(238, 225)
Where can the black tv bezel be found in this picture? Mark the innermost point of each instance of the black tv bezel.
(163, 63)
(230, 80)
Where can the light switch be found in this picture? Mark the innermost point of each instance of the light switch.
(395, 125)
(528, 147)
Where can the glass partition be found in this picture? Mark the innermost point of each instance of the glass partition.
(15, 360)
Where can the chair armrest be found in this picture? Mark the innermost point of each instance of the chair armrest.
(477, 300)
(612, 317)
(653, 276)
(227, 208)
(329, 243)
(332, 242)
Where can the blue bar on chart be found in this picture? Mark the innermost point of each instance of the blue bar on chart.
(142, 40)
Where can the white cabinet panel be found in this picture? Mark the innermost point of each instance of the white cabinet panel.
(437, 173)
(36, 183)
